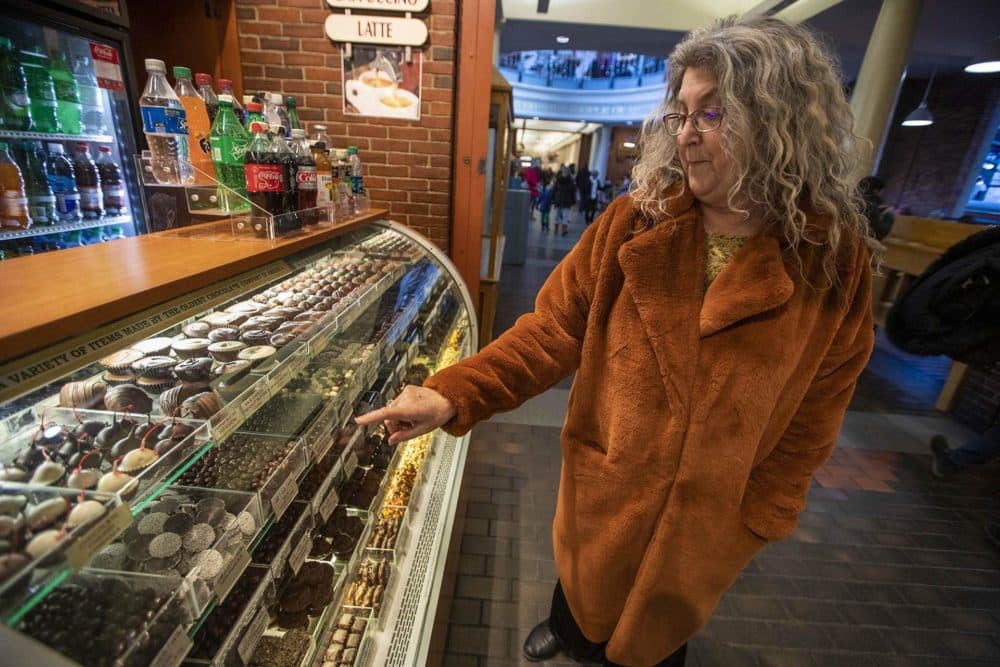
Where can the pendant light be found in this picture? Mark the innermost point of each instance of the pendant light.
(987, 61)
(921, 116)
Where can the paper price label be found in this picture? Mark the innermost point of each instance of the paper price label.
(174, 651)
(283, 496)
(300, 552)
(232, 572)
(248, 643)
(329, 503)
(255, 398)
(225, 422)
(98, 536)
(350, 464)
(318, 343)
(279, 377)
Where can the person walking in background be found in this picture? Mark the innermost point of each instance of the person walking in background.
(879, 214)
(583, 190)
(532, 177)
(976, 451)
(716, 320)
(545, 206)
(563, 198)
(594, 193)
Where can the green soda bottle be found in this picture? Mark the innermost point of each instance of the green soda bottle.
(15, 106)
(67, 95)
(229, 146)
(41, 92)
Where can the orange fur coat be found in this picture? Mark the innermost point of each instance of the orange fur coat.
(696, 418)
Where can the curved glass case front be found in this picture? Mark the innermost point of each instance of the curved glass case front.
(224, 484)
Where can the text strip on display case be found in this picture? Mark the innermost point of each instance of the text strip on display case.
(228, 495)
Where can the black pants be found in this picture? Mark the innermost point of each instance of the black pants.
(580, 648)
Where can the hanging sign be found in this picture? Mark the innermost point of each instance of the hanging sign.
(381, 5)
(358, 29)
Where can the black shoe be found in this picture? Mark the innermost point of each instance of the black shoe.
(541, 644)
(993, 533)
(941, 463)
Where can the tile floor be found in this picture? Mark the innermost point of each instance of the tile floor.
(888, 567)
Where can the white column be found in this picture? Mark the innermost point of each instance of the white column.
(603, 152)
(878, 81)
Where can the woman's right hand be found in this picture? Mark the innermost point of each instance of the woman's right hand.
(414, 412)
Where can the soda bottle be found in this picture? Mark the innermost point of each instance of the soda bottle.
(255, 118)
(265, 182)
(204, 83)
(282, 114)
(283, 154)
(112, 185)
(198, 127)
(41, 92)
(319, 134)
(305, 178)
(293, 114)
(165, 126)
(88, 181)
(226, 88)
(67, 95)
(62, 180)
(91, 104)
(267, 110)
(324, 174)
(41, 200)
(15, 105)
(15, 201)
(229, 147)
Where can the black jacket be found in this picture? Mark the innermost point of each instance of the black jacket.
(564, 194)
(953, 308)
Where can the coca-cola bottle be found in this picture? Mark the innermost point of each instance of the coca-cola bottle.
(112, 185)
(290, 205)
(265, 183)
(305, 178)
(88, 180)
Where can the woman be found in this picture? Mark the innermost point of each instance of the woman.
(532, 177)
(717, 320)
(563, 197)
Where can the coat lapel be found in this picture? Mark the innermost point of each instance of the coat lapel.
(754, 282)
(663, 273)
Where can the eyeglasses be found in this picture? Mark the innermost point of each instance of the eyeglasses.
(704, 120)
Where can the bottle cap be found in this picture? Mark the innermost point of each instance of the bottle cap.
(276, 99)
(81, 145)
(277, 128)
(253, 107)
(352, 150)
(319, 128)
(320, 145)
(290, 101)
(3, 145)
(104, 149)
(155, 65)
(299, 134)
(203, 79)
(181, 72)
(226, 83)
(226, 99)
(56, 148)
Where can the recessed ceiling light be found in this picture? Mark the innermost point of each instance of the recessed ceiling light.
(534, 118)
(562, 39)
(629, 144)
(631, 122)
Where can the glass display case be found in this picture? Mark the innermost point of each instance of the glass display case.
(226, 492)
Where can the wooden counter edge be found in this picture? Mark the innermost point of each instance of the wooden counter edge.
(67, 321)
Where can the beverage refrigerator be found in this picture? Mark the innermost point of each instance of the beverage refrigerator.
(80, 85)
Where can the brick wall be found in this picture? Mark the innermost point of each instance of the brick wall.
(408, 163)
(928, 168)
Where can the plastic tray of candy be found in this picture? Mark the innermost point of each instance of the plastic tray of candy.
(47, 529)
(104, 451)
(390, 533)
(363, 592)
(232, 629)
(104, 618)
(340, 538)
(195, 533)
(348, 639)
(285, 545)
(287, 413)
(266, 465)
(306, 599)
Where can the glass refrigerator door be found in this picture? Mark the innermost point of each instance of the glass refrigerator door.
(65, 118)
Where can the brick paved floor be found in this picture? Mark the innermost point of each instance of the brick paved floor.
(888, 567)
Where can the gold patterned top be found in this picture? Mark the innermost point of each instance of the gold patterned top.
(721, 249)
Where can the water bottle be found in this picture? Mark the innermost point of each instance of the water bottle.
(92, 106)
(165, 126)
(277, 105)
(41, 199)
(62, 180)
(356, 171)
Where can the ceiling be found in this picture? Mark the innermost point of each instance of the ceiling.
(949, 34)
(539, 137)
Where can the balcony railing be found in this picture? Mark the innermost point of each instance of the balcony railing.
(583, 70)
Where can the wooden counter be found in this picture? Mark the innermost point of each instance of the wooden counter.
(53, 296)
